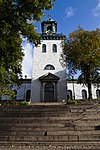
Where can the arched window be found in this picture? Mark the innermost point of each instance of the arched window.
(84, 94)
(15, 93)
(69, 95)
(28, 95)
(98, 93)
(49, 28)
(54, 48)
(49, 67)
(44, 48)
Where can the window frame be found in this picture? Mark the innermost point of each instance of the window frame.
(54, 48)
(49, 67)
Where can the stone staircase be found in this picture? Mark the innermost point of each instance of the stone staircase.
(57, 124)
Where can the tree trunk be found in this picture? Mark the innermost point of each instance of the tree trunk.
(89, 91)
(88, 81)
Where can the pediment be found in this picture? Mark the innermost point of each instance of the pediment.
(49, 77)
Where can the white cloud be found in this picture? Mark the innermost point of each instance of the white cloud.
(96, 10)
(27, 61)
(69, 12)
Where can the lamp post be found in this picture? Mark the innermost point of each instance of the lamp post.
(73, 88)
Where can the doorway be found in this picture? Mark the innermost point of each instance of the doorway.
(49, 92)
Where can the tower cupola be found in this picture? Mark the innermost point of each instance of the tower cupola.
(49, 26)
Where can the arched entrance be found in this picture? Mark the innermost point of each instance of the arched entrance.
(69, 95)
(84, 94)
(49, 88)
(28, 95)
(49, 92)
(98, 93)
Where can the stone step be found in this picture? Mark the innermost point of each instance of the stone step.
(87, 122)
(34, 108)
(34, 124)
(90, 137)
(25, 119)
(57, 129)
(48, 133)
(41, 115)
(49, 122)
(72, 108)
(34, 128)
(59, 138)
(78, 133)
(25, 114)
(39, 138)
(50, 146)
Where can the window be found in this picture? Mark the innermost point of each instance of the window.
(69, 95)
(44, 48)
(98, 93)
(49, 67)
(49, 28)
(28, 95)
(54, 48)
(84, 94)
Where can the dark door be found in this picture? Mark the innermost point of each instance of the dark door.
(49, 92)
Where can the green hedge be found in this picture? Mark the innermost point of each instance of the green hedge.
(13, 102)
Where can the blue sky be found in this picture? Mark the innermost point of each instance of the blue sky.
(69, 14)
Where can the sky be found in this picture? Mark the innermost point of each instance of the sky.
(69, 14)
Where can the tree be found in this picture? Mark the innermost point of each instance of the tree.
(81, 51)
(17, 19)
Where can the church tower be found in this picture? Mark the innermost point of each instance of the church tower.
(48, 76)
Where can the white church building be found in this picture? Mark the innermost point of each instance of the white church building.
(48, 76)
(48, 83)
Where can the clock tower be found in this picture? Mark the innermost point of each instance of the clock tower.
(48, 76)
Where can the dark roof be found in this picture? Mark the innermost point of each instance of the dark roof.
(49, 77)
(26, 80)
(52, 36)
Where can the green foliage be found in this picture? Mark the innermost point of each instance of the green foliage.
(82, 52)
(24, 103)
(17, 18)
(73, 101)
(13, 102)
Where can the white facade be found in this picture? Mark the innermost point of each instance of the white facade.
(72, 88)
(80, 91)
(22, 92)
(40, 60)
(46, 63)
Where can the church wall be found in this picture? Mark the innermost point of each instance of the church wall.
(78, 90)
(35, 90)
(40, 60)
(62, 94)
(21, 91)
